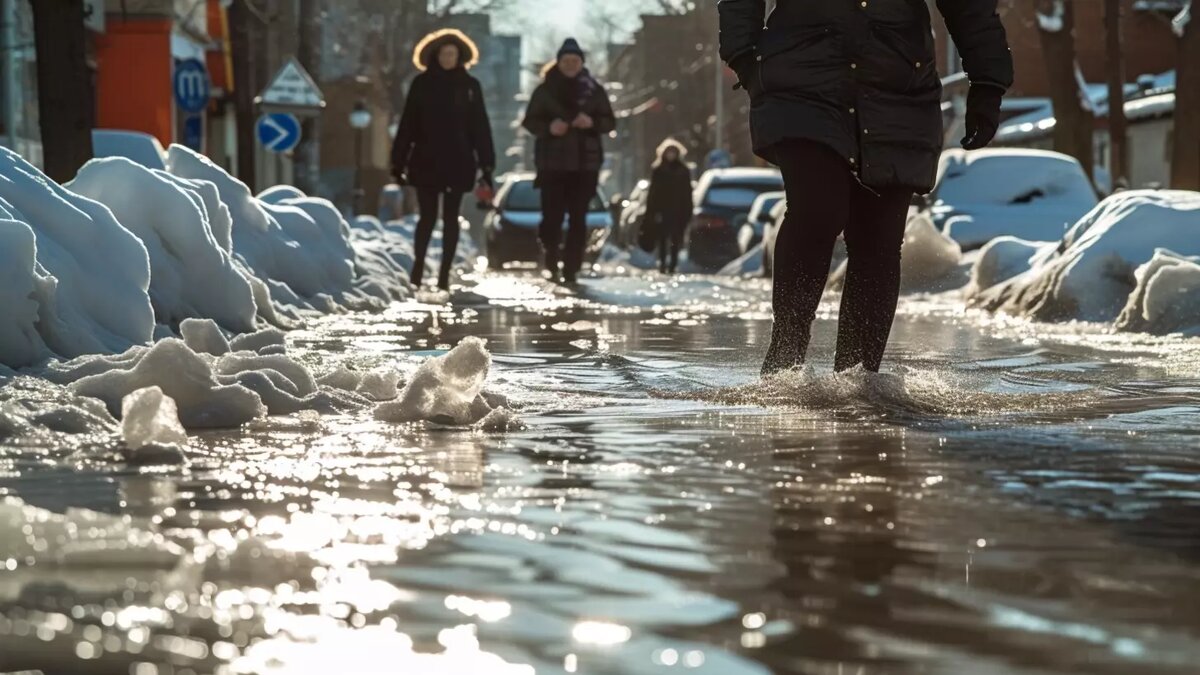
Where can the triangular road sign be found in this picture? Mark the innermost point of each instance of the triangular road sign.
(292, 89)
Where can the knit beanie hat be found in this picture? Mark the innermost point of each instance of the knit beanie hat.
(571, 46)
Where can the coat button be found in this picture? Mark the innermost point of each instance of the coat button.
(918, 64)
(866, 131)
(864, 5)
(852, 111)
(853, 66)
(759, 58)
(852, 160)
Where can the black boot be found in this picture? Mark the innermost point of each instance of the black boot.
(784, 352)
(552, 265)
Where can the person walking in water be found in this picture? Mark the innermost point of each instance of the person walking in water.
(846, 100)
(443, 140)
(669, 204)
(568, 114)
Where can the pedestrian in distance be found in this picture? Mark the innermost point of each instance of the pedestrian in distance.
(568, 115)
(846, 100)
(669, 203)
(443, 142)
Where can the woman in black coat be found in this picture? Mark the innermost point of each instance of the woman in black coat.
(443, 139)
(846, 99)
(669, 204)
(568, 114)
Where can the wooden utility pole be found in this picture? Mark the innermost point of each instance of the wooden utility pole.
(242, 23)
(65, 98)
(1185, 154)
(1074, 121)
(1115, 64)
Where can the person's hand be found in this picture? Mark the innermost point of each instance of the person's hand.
(583, 121)
(745, 65)
(983, 115)
(559, 128)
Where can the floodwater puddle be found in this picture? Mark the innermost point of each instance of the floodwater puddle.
(992, 503)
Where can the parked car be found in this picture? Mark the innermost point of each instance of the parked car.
(752, 224)
(770, 231)
(510, 229)
(1030, 194)
(720, 197)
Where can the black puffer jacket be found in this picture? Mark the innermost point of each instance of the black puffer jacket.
(859, 75)
(562, 98)
(444, 136)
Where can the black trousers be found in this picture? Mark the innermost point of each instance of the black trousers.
(825, 199)
(427, 203)
(670, 239)
(565, 195)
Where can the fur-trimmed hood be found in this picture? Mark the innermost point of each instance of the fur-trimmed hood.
(425, 53)
(666, 145)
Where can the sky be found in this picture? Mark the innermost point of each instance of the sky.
(544, 23)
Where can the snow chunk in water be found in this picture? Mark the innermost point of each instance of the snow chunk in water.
(191, 275)
(1004, 258)
(1091, 273)
(184, 376)
(1167, 297)
(445, 388)
(149, 417)
(91, 275)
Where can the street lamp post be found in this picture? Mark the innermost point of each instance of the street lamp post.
(360, 119)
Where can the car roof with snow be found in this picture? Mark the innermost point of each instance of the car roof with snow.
(1006, 176)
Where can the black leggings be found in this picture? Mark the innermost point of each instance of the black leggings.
(825, 199)
(670, 239)
(427, 202)
(565, 196)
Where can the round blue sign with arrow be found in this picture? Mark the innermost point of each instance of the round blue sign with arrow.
(191, 86)
(278, 132)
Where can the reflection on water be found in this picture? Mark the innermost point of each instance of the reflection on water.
(994, 504)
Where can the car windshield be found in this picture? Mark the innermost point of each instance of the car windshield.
(737, 195)
(523, 196)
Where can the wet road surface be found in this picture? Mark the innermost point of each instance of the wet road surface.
(1006, 498)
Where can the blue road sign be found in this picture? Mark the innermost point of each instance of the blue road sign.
(278, 132)
(191, 85)
(193, 132)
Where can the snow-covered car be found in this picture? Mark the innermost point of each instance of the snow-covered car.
(136, 146)
(510, 230)
(720, 197)
(754, 223)
(1031, 194)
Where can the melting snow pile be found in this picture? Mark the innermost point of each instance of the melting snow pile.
(1126, 261)
(75, 280)
(448, 389)
(150, 418)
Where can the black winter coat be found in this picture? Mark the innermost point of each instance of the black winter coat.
(859, 76)
(444, 136)
(560, 97)
(669, 204)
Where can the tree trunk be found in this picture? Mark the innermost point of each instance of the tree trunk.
(308, 152)
(1185, 154)
(241, 41)
(65, 99)
(1115, 64)
(1074, 122)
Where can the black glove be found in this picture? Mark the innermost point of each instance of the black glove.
(746, 65)
(983, 115)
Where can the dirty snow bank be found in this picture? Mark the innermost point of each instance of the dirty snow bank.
(1108, 268)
